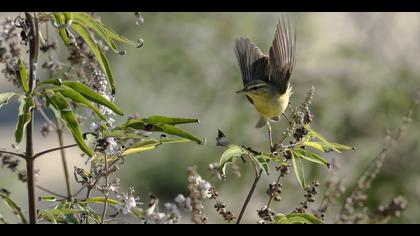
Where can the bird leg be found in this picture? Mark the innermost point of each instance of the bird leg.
(270, 136)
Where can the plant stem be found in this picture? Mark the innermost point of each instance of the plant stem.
(53, 150)
(105, 190)
(248, 197)
(257, 177)
(63, 159)
(33, 60)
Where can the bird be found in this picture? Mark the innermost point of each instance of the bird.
(266, 78)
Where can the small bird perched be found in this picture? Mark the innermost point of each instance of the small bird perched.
(266, 77)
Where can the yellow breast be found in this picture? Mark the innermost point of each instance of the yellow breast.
(270, 106)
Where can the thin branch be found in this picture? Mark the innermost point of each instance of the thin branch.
(53, 150)
(50, 192)
(106, 190)
(64, 160)
(13, 153)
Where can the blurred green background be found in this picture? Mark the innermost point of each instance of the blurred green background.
(365, 68)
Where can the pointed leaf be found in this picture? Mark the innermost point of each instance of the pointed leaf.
(97, 51)
(228, 155)
(262, 161)
(122, 134)
(322, 139)
(314, 145)
(298, 167)
(5, 98)
(281, 219)
(169, 120)
(47, 198)
(169, 129)
(91, 95)
(78, 98)
(58, 101)
(308, 217)
(151, 144)
(22, 76)
(117, 37)
(310, 156)
(17, 210)
(25, 115)
(101, 200)
(87, 20)
(60, 19)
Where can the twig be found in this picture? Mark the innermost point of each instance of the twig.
(53, 150)
(14, 153)
(106, 190)
(50, 192)
(63, 159)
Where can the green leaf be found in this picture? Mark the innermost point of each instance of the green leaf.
(298, 167)
(281, 219)
(322, 139)
(101, 200)
(91, 95)
(62, 106)
(314, 145)
(17, 210)
(97, 51)
(304, 217)
(22, 76)
(117, 37)
(87, 20)
(68, 18)
(151, 144)
(169, 129)
(310, 156)
(60, 19)
(47, 198)
(168, 120)
(228, 155)
(298, 220)
(262, 161)
(5, 98)
(25, 115)
(78, 98)
(342, 146)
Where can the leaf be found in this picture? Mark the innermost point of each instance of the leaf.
(68, 18)
(60, 19)
(97, 51)
(17, 210)
(262, 161)
(310, 156)
(322, 139)
(169, 129)
(5, 98)
(22, 76)
(47, 198)
(117, 37)
(298, 220)
(61, 105)
(308, 217)
(281, 219)
(101, 200)
(298, 167)
(342, 146)
(91, 95)
(78, 98)
(233, 151)
(314, 145)
(169, 120)
(87, 20)
(151, 144)
(25, 115)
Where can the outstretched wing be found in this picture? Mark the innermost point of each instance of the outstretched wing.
(282, 54)
(253, 63)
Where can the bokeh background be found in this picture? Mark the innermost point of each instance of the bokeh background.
(365, 68)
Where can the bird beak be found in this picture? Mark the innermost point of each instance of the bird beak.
(241, 91)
